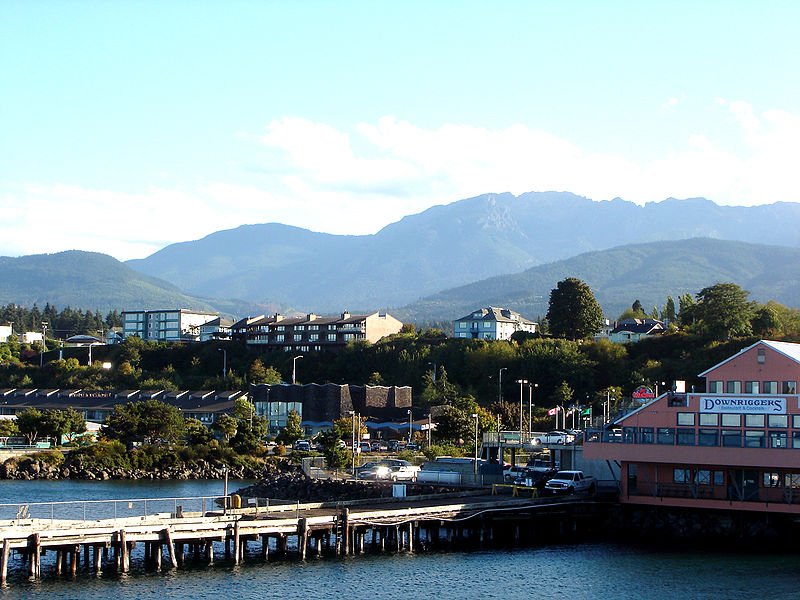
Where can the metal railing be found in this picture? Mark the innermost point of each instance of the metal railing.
(96, 510)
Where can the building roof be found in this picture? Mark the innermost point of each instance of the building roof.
(493, 313)
(787, 349)
(641, 326)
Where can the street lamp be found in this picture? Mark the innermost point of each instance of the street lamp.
(500, 384)
(475, 464)
(409, 425)
(294, 368)
(521, 382)
(433, 364)
(531, 385)
(224, 363)
(44, 345)
(353, 447)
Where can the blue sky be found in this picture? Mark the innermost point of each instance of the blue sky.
(126, 126)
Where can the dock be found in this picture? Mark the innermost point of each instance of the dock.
(98, 536)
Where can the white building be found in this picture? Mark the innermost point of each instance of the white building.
(174, 325)
(492, 323)
(5, 332)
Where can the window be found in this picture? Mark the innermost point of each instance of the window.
(665, 435)
(313, 327)
(708, 437)
(300, 327)
(778, 439)
(685, 418)
(751, 387)
(645, 435)
(685, 437)
(629, 435)
(298, 337)
(761, 356)
(702, 477)
(313, 337)
(731, 420)
(754, 439)
(772, 479)
(715, 387)
(279, 338)
(331, 337)
(280, 328)
(789, 387)
(770, 387)
(778, 421)
(709, 420)
(754, 420)
(796, 439)
(796, 421)
(792, 480)
(487, 325)
(733, 387)
(719, 478)
(462, 325)
(732, 438)
(681, 475)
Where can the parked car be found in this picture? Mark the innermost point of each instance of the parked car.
(374, 472)
(365, 447)
(512, 472)
(379, 446)
(412, 446)
(393, 445)
(403, 472)
(570, 482)
(302, 446)
(556, 437)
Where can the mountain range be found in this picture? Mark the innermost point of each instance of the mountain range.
(444, 247)
(494, 249)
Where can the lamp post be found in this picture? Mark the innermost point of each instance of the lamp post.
(521, 382)
(44, 344)
(433, 364)
(500, 384)
(409, 425)
(353, 447)
(429, 430)
(294, 368)
(475, 464)
(224, 363)
(531, 385)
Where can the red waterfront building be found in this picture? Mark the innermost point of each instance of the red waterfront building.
(736, 446)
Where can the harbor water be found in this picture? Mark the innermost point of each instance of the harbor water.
(596, 570)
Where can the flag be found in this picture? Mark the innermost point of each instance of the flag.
(552, 411)
(587, 412)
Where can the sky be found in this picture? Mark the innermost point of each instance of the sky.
(126, 126)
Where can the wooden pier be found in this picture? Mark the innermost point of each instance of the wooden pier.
(339, 528)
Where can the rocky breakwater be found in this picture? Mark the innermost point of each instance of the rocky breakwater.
(290, 483)
(28, 468)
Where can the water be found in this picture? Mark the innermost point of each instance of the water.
(596, 571)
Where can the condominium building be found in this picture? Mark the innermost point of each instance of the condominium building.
(173, 325)
(312, 332)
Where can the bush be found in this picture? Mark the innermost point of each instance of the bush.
(443, 450)
(279, 450)
(54, 458)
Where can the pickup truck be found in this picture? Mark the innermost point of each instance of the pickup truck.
(570, 482)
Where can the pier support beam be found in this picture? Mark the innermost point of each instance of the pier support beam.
(237, 551)
(167, 536)
(302, 537)
(6, 555)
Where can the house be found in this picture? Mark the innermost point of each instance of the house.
(492, 323)
(173, 325)
(734, 447)
(312, 332)
(6, 331)
(633, 330)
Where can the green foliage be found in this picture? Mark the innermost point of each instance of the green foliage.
(293, 431)
(63, 423)
(573, 311)
(30, 423)
(258, 373)
(336, 455)
(446, 449)
(724, 311)
(145, 421)
(8, 428)
(54, 458)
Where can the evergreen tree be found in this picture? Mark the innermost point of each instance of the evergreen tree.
(573, 311)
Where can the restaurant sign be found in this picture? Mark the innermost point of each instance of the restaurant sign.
(744, 405)
(643, 393)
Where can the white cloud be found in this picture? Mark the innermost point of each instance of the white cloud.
(357, 181)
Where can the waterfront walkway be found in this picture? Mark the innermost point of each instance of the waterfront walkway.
(106, 533)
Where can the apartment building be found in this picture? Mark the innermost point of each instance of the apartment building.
(172, 325)
(312, 332)
(492, 323)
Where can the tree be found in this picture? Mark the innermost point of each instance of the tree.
(669, 310)
(293, 430)
(147, 421)
(573, 311)
(766, 321)
(31, 424)
(196, 433)
(65, 423)
(8, 428)
(637, 309)
(258, 373)
(687, 310)
(724, 311)
(227, 426)
(336, 454)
